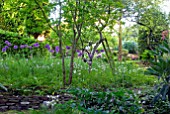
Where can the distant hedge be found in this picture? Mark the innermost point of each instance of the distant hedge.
(17, 40)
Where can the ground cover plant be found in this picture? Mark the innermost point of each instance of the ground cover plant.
(82, 56)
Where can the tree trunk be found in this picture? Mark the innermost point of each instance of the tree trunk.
(120, 41)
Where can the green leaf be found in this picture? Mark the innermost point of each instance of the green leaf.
(3, 87)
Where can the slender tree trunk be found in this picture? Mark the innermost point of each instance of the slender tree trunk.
(60, 46)
(72, 61)
(108, 54)
(120, 41)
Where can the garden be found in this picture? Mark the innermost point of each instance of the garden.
(84, 57)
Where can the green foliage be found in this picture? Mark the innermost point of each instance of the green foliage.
(42, 75)
(25, 17)
(111, 101)
(147, 55)
(160, 68)
(160, 107)
(132, 47)
(3, 87)
(152, 22)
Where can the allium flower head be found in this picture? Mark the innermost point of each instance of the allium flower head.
(102, 50)
(15, 47)
(23, 46)
(52, 51)
(47, 46)
(36, 45)
(78, 51)
(30, 47)
(80, 54)
(4, 48)
(99, 56)
(97, 51)
(68, 47)
(57, 49)
(8, 43)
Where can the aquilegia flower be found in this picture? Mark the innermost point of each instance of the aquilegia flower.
(36, 45)
(15, 47)
(57, 49)
(8, 43)
(4, 48)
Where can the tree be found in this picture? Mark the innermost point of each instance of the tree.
(25, 17)
(152, 22)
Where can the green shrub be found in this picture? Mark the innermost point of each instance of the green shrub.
(132, 47)
(160, 67)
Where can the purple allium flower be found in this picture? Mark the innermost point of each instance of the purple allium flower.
(15, 47)
(78, 51)
(8, 43)
(36, 45)
(4, 48)
(97, 51)
(52, 51)
(68, 47)
(47, 46)
(57, 49)
(102, 50)
(30, 47)
(23, 46)
(99, 56)
(80, 54)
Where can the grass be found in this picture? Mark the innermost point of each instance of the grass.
(44, 75)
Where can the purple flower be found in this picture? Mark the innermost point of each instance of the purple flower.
(23, 46)
(47, 46)
(30, 47)
(57, 49)
(80, 54)
(68, 47)
(99, 56)
(97, 51)
(8, 43)
(36, 45)
(4, 48)
(52, 51)
(102, 50)
(15, 47)
(78, 51)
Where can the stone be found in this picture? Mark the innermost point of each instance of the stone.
(10, 104)
(24, 103)
(3, 108)
(13, 108)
